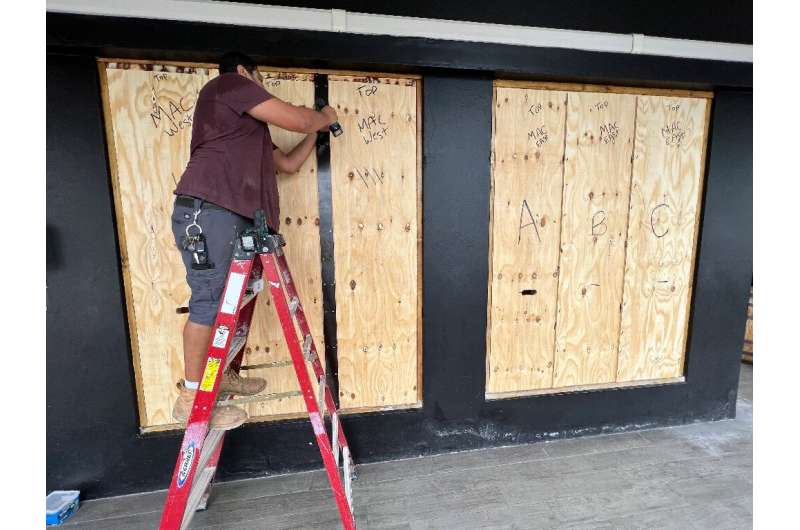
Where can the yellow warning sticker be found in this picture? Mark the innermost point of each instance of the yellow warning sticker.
(209, 375)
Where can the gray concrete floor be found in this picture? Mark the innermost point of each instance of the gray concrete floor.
(693, 476)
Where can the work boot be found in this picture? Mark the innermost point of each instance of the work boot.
(223, 418)
(233, 383)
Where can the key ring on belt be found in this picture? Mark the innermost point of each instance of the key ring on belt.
(194, 224)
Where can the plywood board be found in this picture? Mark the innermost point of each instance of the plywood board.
(299, 206)
(375, 181)
(597, 172)
(664, 211)
(527, 177)
(148, 112)
(150, 115)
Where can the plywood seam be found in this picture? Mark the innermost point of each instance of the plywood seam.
(560, 234)
(698, 216)
(627, 230)
(613, 89)
(560, 238)
(123, 249)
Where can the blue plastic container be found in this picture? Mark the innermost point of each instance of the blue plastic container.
(60, 505)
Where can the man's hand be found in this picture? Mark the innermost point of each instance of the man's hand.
(328, 111)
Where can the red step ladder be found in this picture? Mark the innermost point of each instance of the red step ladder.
(257, 257)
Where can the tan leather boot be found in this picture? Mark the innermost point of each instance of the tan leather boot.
(233, 383)
(223, 418)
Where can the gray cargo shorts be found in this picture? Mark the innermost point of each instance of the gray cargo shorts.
(221, 227)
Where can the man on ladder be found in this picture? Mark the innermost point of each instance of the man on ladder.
(231, 173)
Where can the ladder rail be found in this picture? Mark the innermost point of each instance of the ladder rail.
(299, 315)
(339, 444)
(273, 274)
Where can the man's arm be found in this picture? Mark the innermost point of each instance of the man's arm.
(291, 117)
(291, 162)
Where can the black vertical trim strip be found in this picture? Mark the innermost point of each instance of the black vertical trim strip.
(326, 246)
(456, 173)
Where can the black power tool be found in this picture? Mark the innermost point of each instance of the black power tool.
(334, 127)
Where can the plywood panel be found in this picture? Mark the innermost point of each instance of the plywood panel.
(374, 175)
(597, 172)
(299, 206)
(527, 176)
(664, 211)
(148, 114)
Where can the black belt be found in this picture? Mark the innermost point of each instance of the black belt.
(187, 201)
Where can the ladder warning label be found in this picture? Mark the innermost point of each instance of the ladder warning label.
(221, 337)
(210, 375)
(230, 302)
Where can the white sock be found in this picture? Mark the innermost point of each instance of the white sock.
(191, 385)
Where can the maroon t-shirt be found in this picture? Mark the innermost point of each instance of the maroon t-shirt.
(231, 161)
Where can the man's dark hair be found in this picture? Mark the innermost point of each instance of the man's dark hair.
(229, 62)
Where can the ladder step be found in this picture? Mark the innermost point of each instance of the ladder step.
(294, 303)
(260, 397)
(248, 297)
(253, 288)
(335, 436)
(321, 395)
(237, 344)
(309, 355)
(274, 364)
(349, 473)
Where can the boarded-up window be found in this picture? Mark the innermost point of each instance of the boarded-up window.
(595, 202)
(375, 183)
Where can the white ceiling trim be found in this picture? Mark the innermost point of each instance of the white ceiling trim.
(341, 21)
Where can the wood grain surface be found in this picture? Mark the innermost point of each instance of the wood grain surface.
(527, 181)
(664, 213)
(374, 175)
(150, 114)
(597, 173)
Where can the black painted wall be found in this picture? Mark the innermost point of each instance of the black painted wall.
(92, 436)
